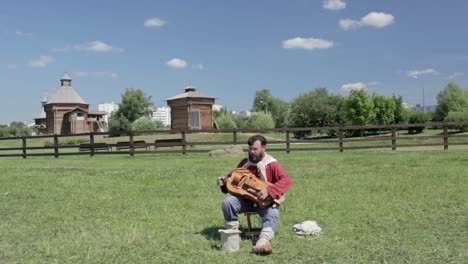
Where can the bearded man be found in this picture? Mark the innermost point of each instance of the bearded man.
(265, 168)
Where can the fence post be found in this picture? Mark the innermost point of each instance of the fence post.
(340, 135)
(234, 137)
(287, 142)
(24, 147)
(132, 148)
(56, 153)
(91, 142)
(445, 137)
(393, 138)
(184, 147)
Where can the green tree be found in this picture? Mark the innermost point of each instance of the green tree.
(317, 108)
(146, 123)
(458, 117)
(384, 110)
(265, 102)
(401, 114)
(451, 98)
(224, 118)
(261, 120)
(360, 108)
(418, 117)
(134, 105)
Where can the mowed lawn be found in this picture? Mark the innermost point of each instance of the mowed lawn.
(374, 206)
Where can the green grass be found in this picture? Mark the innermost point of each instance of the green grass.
(374, 206)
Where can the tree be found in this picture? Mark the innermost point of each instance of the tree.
(384, 110)
(317, 108)
(146, 123)
(451, 98)
(261, 120)
(401, 114)
(418, 117)
(134, 105)
(224, 119)
(265, 102)
(458, 117)
(360, 109)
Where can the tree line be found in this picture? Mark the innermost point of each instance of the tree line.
(15, 129)
(317, 108)
(321, 108)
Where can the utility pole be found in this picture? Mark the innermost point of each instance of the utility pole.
(424, 100)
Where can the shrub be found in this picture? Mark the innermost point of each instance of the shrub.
(146, 123)
(261, 120)
(458, 117)
(417, 117)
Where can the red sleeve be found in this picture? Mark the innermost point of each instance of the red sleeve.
(280, 179)
(244, 161)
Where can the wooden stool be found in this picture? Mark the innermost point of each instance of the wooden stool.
(251, 230)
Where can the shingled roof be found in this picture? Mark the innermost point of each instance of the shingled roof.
(66, 94)
(190, 92)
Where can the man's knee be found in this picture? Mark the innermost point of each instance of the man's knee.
(230, 202)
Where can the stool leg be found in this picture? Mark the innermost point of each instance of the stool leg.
(249, 223)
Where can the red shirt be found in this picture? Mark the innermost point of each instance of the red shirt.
(275, 174)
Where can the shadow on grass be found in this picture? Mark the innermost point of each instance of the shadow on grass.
(211, 233)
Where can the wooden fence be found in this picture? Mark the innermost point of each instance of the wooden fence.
(132, 146)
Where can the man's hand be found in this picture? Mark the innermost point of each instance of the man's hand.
(221, 181)
(263, 194)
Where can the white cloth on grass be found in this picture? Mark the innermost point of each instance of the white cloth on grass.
(307, 228)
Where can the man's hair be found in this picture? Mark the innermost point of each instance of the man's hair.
(260, 138)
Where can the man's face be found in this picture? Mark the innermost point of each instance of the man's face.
(256, 151)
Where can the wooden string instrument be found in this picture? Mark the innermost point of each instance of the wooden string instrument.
(243, 183)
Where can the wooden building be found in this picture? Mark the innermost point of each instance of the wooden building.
(191, 110)
(68, 113)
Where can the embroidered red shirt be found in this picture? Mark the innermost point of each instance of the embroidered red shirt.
(275, 174)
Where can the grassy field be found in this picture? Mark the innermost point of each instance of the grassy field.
(375, 207)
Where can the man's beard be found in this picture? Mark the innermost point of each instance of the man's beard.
(257, 158)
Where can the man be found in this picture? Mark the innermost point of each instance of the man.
(266, 168)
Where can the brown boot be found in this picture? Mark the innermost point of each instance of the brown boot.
(263, 247)
(262, 250)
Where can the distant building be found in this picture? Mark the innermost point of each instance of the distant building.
(242, 114)
(426, 109)
(191, 110)
(68, 113)
(109, 108)
(162, 114)
(407, 106)
(217, 107)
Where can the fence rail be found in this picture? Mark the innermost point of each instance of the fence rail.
(92, 147)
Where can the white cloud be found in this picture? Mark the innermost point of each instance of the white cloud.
(198, 66)
(415, 73)
(154, 22)
(96, 46)
(348, 24)
(23, 34)
(307, 43)
(456, 74)
(177, 63)
(334, 4)
(354, 86)
(373, 83)
(378, 19)
(96, 74)
(12, 66)
(373, 19)
(42, 62)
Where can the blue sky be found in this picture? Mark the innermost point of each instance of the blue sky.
(228, 49)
